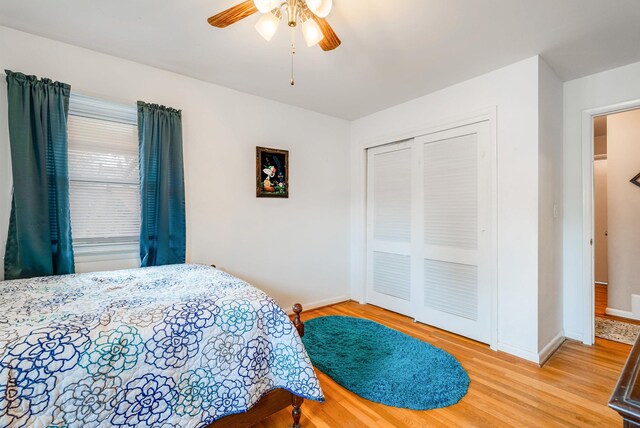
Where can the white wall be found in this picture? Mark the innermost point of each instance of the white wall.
(513, 90)
(598, 90)
(550, 205)
(295, 249)
(623, 207)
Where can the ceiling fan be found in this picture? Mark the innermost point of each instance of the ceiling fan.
(310, 14)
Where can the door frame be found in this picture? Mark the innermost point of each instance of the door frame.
(587, 296)
(359, 202)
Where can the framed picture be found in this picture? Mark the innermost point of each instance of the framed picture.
(272, 173)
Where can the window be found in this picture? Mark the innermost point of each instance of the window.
(104, 182)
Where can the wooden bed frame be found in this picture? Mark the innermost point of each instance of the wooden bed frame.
(271, 403)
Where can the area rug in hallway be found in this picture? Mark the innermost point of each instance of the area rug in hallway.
(384, 365)
(617, 330)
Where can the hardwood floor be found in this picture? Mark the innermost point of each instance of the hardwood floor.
(602, 302)
(571, 390)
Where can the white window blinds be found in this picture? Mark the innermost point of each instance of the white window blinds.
(104, 182)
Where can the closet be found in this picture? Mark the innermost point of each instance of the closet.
(429, 247)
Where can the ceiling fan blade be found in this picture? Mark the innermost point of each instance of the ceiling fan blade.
(331, 39)
(233, 14)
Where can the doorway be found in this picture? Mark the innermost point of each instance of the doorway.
(600, 211)
(616, 233)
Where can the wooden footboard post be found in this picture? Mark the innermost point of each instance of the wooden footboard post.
(297, 309)
(296, 401)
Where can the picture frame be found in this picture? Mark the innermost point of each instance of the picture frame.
(272, 173)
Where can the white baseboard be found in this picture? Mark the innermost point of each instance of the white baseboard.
(538, 358)
(320, 303)
(551, 347)
(573, 336)
(520, 353)
(623, 314)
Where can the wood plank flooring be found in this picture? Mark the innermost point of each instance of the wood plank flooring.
(571, 390)
(602, 300)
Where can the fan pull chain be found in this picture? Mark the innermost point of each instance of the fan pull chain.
(293, 53)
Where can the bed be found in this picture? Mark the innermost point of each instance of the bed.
(172, 346)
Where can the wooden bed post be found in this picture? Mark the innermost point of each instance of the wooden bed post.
(297, 308)
(296, 401)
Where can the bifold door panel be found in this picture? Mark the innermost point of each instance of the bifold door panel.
(389, 234)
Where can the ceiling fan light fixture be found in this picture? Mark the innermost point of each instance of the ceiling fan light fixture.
(266, 6)
(320, 8)
(267, 25)
(311, 32)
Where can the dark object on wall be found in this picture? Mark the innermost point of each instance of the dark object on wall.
(626, 397)
(635, 179)
(272, 173)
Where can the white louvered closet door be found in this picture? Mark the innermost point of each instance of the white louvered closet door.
(390, 210)
(453, 281)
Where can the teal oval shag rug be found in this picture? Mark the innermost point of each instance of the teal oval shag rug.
(384, 365)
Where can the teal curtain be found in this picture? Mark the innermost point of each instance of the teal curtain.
(39, 240)
(163, 229)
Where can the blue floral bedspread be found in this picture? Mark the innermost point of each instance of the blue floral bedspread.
(172, 346)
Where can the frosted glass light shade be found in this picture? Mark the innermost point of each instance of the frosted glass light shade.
(311, 32)
(267, 25)
(265, 6)
(320, 8)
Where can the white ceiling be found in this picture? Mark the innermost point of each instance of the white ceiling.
(392, 51)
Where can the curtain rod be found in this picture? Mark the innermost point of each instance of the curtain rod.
(93, 95)
(90, 94)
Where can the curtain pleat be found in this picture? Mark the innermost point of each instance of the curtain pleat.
(39, 241)
(163, 224)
